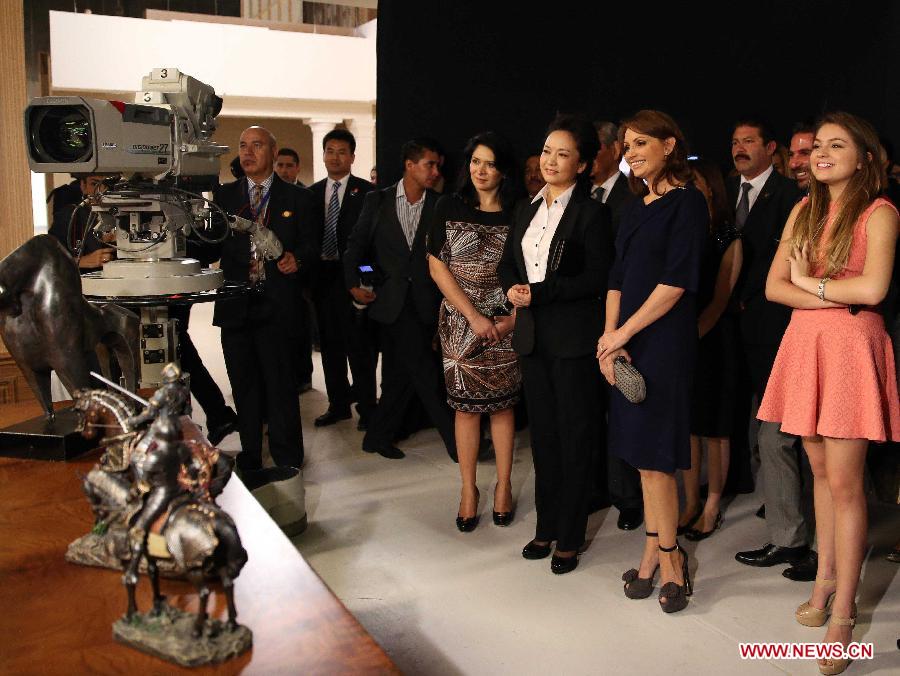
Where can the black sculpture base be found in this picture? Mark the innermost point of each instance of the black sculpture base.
(168, 636)
(42, 439)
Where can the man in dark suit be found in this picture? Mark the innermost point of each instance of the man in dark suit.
(260, 329)
(614, 477)
(763, 199)
(343, 334)
(287, 167)
(610, 185)
(390, 237)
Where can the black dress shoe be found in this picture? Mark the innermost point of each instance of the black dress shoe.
(630, 518)
(804, 570)
(389, 452)
(363, 424)
(534, 551)
(330, 417)
(219, 431)
(771, 555)
(761, 512)
(560, 565)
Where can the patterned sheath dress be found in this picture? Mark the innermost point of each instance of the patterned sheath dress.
(834, 374)
(470, 242)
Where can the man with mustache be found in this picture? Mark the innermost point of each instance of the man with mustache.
(763, 199)
(799, 152)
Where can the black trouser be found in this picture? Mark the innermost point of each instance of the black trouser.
(563, 409)
(409, 368)
(343, 337)
(203, 387)
(304, 341)
(260, 362)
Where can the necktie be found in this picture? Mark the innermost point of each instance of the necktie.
(257, 271)
(329, 239)
(598, 193)
(743, 207)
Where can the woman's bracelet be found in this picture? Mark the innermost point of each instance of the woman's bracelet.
(821, 290)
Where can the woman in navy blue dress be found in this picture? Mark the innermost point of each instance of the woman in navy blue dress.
(651, 320)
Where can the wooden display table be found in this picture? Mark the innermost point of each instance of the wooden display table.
(56, 617)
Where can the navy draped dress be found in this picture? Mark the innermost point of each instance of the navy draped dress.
(659, 243)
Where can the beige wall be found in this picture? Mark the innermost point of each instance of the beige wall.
(289, 133)
(15, 179)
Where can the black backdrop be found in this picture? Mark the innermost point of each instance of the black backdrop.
(451, 68)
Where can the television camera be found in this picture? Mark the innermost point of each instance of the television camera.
(161, 153)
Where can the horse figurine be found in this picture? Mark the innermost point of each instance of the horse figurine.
(47, 324)
(106, 414)
(195, 535)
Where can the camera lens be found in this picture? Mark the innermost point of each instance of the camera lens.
(61, 134)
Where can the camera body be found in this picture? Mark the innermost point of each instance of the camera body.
(166, 132)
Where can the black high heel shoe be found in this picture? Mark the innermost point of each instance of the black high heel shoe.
(695, 535)
(467, 524)
(560, 565)
(690, 524)
(533, 551)
(637, 587)
(502, 518)
(675, 595)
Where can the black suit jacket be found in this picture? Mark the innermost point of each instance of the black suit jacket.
(290, 216)
(565, 317)
(377, 239)
(619, 197)
(762, 322)
(351, 208)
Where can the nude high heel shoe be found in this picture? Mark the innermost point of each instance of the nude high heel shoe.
(810, 616)
(831, 667)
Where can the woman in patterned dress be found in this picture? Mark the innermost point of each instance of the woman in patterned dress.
(465, 241)
(834, 381)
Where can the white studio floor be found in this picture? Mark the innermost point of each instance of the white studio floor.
(382, 536)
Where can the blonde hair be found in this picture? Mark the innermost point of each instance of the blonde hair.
(864, 186)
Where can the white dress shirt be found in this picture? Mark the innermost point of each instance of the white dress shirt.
(607, 186)
(329, 186)
(537, 238)
(755, 187)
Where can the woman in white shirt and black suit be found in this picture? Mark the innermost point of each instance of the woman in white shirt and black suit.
(554, 270)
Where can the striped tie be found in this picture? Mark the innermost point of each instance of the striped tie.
(257, 271)
(329, 240)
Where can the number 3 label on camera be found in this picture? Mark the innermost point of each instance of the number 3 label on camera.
(164, 74)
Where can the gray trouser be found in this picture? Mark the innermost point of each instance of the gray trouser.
(787, 486)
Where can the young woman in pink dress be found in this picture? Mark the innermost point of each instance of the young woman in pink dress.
(833, 382)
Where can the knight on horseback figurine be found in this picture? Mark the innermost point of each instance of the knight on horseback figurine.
(158, 485)
(174, 396)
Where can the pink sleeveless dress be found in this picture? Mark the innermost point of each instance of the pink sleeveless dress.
(834, 374)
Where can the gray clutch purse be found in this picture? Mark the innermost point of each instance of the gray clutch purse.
(629, 381)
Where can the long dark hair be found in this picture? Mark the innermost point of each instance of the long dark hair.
(586, 142)
(717, 200)
(866, 184)
(660, 126)
(505, 163)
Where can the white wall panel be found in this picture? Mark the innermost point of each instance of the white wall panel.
(94, 52)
